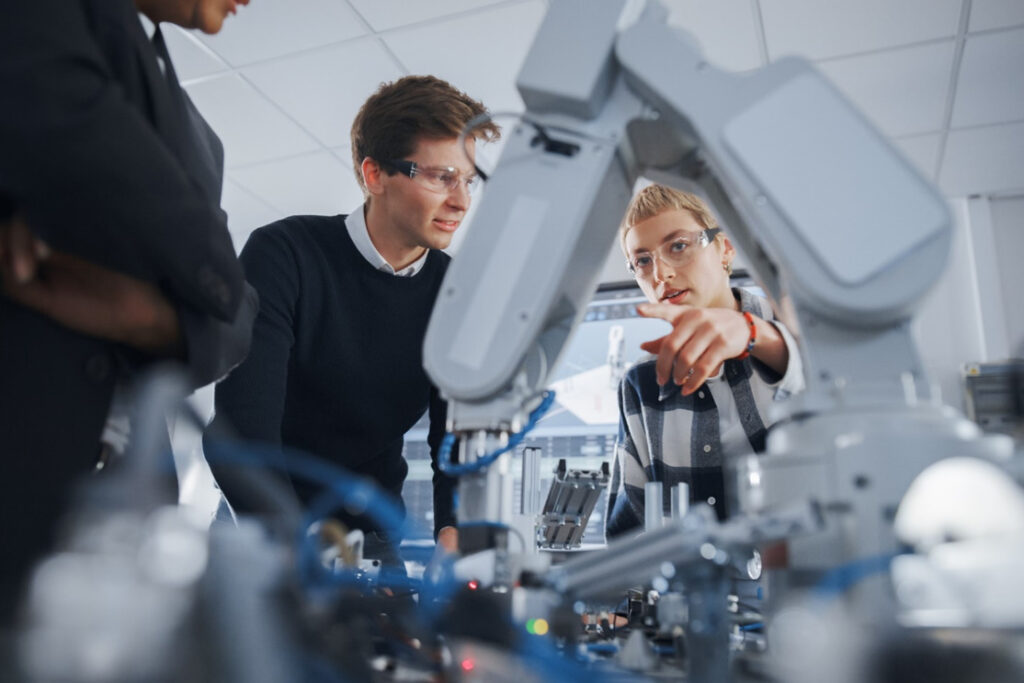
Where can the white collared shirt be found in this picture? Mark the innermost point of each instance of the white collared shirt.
(150, 28)
(355, 223)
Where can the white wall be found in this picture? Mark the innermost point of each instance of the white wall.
(974, 312)
(1008, 236)
(948, 327)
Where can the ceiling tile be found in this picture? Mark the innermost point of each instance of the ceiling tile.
(986, 14)
(245, 212)
(251, 128)
(387, 14)
(490, 51)
(322, 90)
(317, 183)
(819, 29)
(902, 91)
(192, 59)
(272, 28)
(726, 30)
(990, 88)
(923, 152)
(984, 160)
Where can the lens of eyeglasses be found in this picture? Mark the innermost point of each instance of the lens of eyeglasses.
(445, 179)
(677, 254)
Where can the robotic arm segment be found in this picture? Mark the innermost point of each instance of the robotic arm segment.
(801, 164)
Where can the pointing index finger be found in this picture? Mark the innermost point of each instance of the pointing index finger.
(668, 312)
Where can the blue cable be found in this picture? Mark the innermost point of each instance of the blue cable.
(555, 666)
(603, 648)
(444, 455)
(837, 580)
(346, 488)
(434, 595)
(343, 487)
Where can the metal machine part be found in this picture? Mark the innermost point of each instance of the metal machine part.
(995, 395)
(697, 538)
(570, 502)
(529, 503)
(694, 555)
(680, 499)
(654, 515)
(858, 465)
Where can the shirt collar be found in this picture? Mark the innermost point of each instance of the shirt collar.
(148, 26)
(355, 223)
(150, 30)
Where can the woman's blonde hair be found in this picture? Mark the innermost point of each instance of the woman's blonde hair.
(657, 199)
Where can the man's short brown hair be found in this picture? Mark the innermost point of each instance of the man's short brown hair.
(399, 114)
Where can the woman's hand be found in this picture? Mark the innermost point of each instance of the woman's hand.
(703, 338)
(700, 341)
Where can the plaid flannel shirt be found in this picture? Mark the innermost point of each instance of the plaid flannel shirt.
(667, 437)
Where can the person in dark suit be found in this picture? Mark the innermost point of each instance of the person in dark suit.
(114, 252)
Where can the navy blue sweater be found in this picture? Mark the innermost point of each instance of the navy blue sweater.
(336, 367)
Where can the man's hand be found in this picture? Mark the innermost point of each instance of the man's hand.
(20, 251)
(446, 546)
(700, 341)
(448, 539)
(88, 298)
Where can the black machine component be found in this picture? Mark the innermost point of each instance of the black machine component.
(569, 504)
(995, 395)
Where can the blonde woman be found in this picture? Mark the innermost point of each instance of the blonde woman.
(705, 393)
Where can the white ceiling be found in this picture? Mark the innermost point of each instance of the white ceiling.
(283, 80)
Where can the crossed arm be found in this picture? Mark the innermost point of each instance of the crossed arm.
(107, 304)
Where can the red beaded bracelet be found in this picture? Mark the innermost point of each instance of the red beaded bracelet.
(753, 336)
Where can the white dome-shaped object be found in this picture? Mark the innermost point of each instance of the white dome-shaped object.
(960, 499)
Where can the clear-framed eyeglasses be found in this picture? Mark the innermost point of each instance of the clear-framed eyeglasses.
(440, 179)
(677, 253)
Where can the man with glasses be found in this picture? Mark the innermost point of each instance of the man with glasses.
(706, 393)
(335, 367)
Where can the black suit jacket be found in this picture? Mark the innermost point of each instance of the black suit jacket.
(105, 157)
